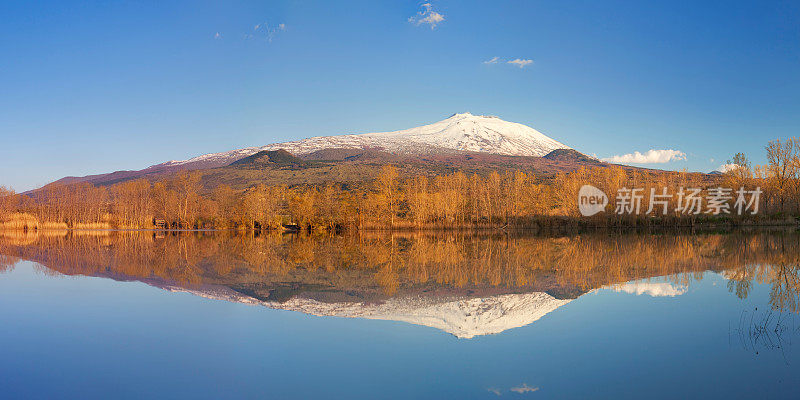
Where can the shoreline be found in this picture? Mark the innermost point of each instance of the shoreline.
(576, 227)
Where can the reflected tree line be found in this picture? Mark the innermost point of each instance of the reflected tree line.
(387, 264)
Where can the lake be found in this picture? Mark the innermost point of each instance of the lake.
(664, 314)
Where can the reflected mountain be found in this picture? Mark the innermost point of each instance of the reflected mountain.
(462, 316)
(464, 284)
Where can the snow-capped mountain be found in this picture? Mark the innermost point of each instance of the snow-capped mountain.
(460, 132)
(463, 317)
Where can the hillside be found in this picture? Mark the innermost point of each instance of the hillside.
(354, 168)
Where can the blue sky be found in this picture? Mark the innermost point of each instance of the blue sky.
(96, 87)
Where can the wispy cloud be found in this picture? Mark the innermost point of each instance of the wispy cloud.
(652, 156)
(524, 388)
(427, 16)
(265, 31)
(496, 391)
(520, 62)
(521, 389)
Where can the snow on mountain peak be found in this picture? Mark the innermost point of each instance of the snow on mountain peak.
(459, 132)
(468, 114)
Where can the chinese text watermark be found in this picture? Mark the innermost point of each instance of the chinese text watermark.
(686, 201)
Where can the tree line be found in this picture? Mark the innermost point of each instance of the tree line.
(451, 201)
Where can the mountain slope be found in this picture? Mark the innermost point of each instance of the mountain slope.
(460, 132)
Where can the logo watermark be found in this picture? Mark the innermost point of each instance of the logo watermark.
(687, 201)
(591, 200)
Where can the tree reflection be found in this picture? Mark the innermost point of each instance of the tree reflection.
(371, 266)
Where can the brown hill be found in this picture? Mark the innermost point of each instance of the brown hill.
(570, 155)
(271, 159)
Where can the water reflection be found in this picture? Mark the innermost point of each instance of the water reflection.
(654, 289)
(467, 285)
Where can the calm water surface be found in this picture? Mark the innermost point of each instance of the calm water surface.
(132, 315)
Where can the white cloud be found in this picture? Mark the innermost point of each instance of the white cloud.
(495, 391)
(524, 388)
(727, 167)
(427, 16)
(217, 36)
(521, 63)
(652, 156)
